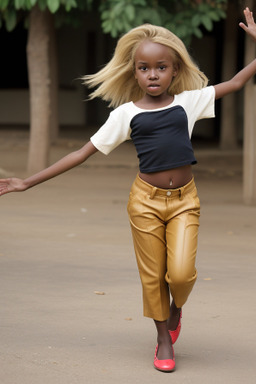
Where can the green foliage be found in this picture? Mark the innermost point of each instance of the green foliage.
(13, 10)
(119, 16)
(190, 21)
(10, 19)
(4, 4)
(52, 5)
(184, 17)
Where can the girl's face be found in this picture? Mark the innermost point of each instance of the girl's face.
(154, 68)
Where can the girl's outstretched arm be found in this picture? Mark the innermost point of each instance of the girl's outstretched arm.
(70, 161)
(250, 28)
(241, 78)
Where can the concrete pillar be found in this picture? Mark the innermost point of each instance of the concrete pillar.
(249, 157)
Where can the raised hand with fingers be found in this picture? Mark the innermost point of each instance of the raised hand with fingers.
(250, 28)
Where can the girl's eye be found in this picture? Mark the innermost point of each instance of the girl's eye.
(162, 67)
(143, 68)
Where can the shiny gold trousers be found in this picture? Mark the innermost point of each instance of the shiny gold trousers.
(164, 227)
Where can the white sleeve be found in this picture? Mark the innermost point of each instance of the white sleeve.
(114, 132)
(204, 103)
(199, 104)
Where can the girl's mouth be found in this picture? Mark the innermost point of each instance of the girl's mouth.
(153, 86)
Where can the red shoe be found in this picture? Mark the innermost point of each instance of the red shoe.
(175, 334)
(167, 365)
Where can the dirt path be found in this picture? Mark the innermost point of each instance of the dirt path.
(70, 298)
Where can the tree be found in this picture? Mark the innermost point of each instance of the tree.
(249, 157)
(184, 17)
(40, 16)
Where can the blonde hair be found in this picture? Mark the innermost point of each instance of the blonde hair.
(116, 82)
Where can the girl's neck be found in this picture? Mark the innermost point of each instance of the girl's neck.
(149, 102)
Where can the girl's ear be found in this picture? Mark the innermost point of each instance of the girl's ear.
(175, 70)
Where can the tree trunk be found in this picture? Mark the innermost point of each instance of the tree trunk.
(228, 135)
(249, 157)
(54, 84)
(39, 84)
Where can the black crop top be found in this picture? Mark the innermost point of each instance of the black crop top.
(162, 139)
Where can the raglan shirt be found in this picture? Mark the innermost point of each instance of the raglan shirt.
(162, 137)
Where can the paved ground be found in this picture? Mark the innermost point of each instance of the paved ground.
(70, 295)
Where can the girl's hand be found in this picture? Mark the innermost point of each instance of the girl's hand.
(11, 185)
(251, 26)
(70, 161)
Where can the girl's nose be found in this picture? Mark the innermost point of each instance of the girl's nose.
(153, 74)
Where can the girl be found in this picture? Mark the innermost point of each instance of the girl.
(159, 94)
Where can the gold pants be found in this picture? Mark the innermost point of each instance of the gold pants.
(164, 227)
